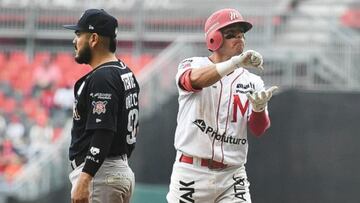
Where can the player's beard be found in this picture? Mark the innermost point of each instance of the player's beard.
(84, 55)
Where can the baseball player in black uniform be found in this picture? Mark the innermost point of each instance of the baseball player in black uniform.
(105, 116)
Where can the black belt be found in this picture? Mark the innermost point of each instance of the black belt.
(79, 160)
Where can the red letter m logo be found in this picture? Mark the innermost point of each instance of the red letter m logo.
(237, 104)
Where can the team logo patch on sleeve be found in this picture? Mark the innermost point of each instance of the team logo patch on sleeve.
(99, 107)
(94, 151)
(185, 63)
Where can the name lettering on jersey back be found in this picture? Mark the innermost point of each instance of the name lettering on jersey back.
(214, 133)
(128, 81)
(131, 100)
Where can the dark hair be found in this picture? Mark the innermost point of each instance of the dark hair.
(112, 45)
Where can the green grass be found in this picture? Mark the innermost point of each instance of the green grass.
(147, 193)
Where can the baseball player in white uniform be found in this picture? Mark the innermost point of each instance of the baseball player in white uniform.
(218, 99)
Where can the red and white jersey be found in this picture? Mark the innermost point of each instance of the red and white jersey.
(212, 122)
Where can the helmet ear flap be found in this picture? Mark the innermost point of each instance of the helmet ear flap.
(214, 40)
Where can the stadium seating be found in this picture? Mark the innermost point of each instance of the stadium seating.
(21, 97)
(351, 18)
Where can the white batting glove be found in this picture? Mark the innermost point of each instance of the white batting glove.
(260, 99)
(253, 60)
(250, 59)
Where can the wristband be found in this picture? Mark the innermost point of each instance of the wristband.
(225, 67)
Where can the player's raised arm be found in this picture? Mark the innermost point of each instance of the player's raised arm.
(259, 120)
(206, 76)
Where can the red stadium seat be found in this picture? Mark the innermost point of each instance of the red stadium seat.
(30, 107)
(351, 18)
(2, 59)
(9, 105)
(19, 56)
(57, 134)
(40, 57)
(2, 99)
(136, 64)
(145, 59)
(64, 60)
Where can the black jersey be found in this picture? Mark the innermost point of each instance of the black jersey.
(105, 98)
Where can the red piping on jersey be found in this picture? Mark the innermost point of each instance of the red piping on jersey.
(227, 115)
(217, 119)
(259, 122)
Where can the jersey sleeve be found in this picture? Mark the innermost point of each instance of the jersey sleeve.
(183, 76)
(103, 100)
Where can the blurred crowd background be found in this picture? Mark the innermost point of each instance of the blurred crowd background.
(311, 50)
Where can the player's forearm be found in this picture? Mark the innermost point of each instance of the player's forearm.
(84, 179)
(80, 192)
(204, 77)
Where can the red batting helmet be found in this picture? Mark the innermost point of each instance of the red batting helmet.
(218, 20)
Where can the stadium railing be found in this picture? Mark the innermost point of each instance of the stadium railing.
(288, 68)
(37, 25)
(159, 75)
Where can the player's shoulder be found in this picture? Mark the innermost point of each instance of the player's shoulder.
(101, 73)
(192, 61)
(107, 72)
(105, 69)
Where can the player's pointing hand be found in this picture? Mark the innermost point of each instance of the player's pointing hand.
(259, 100)
(249, 59)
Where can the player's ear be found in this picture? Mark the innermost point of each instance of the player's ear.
(93, 40)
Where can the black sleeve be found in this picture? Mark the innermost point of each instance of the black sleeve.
(99, 149)
(103, 101)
